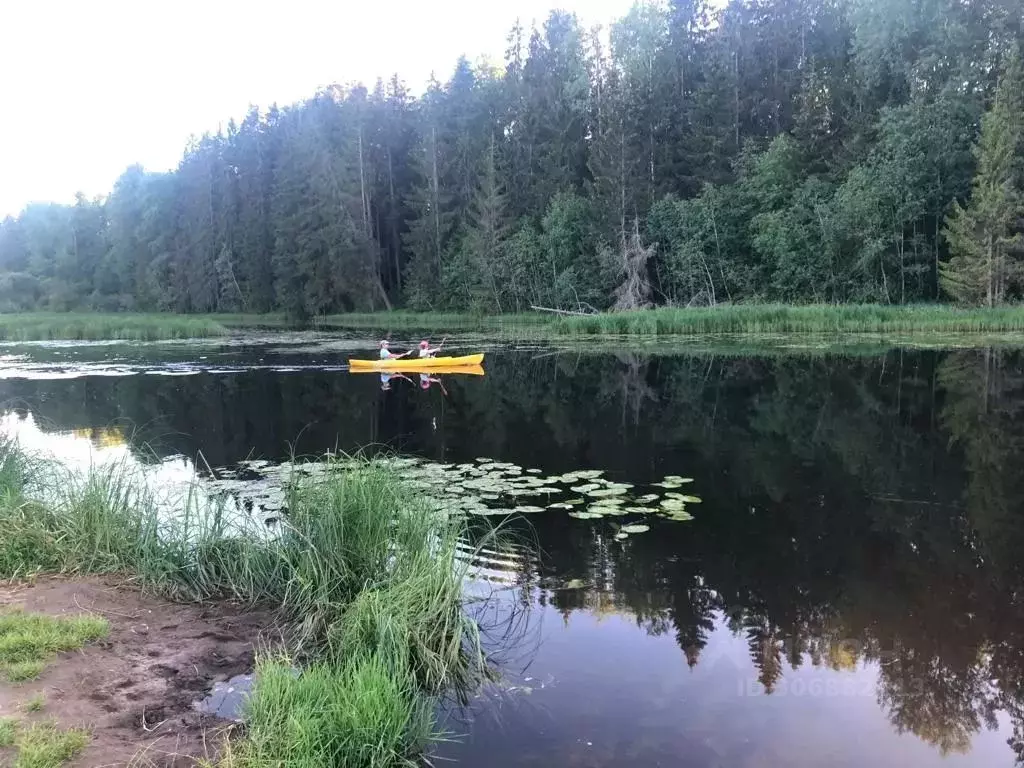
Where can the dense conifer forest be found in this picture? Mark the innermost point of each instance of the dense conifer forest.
(771, 150)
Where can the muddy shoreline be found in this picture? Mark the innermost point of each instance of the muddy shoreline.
(135, 691)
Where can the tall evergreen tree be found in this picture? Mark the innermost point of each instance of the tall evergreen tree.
(985, 237)
(479, 273)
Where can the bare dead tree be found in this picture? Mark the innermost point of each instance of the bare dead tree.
(635, 290)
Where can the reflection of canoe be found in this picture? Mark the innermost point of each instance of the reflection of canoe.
(454, 370)
(416, 363)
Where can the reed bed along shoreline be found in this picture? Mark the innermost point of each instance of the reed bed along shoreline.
(81, 326)
(739, 319)
(363, 576)
(733, 319)
(781, 319)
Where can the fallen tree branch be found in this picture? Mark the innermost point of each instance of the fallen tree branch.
(561, 311)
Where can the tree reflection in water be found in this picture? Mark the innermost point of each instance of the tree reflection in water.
(856, 509)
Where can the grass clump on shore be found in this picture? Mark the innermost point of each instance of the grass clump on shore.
(361, 713)
(44, 745)
(28, 641)
(122, 326)
(36, 704)
(364, 576)
(8, 730)
(41, 745)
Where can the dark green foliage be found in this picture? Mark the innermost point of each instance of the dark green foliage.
(779, 150)
(985, 237)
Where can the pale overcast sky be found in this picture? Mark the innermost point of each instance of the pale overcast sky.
(88, 87)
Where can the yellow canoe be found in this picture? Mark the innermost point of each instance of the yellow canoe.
(453, 370)
(416, 363)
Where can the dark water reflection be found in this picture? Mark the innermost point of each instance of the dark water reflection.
(849, 592)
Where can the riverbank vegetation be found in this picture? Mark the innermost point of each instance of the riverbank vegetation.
(921, 321)
(730, 319)
(778, 151)
(363, 578)
(818, 319)
(28, 641)
(41, 745)
(88, 326)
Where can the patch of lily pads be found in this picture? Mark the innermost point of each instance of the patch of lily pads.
(493, 488)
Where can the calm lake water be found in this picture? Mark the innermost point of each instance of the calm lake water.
(849, 592)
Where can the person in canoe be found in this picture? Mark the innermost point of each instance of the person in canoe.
(387, 354)
(426, 350)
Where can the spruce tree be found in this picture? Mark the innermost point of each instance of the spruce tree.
(985, 238)
(478, 272)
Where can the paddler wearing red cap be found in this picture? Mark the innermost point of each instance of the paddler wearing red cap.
(426, 351)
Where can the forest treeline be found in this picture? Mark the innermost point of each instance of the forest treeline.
(783, 150)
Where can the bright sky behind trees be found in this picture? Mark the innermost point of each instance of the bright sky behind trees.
(88, 88)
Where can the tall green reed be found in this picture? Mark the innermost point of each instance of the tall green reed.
(88, 326)
(363, 575)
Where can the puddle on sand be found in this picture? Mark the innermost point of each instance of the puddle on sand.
(226, 700)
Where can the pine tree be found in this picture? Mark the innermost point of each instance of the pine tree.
(985, 237)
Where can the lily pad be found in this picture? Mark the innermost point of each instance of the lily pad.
(527, 509)
(679, 516)
(585, 488)
(635, 528)
(606, 509)
(599, 492)
(647, 498)
(589, 474)
(620, 536)
(560, 505)
(585, 515)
